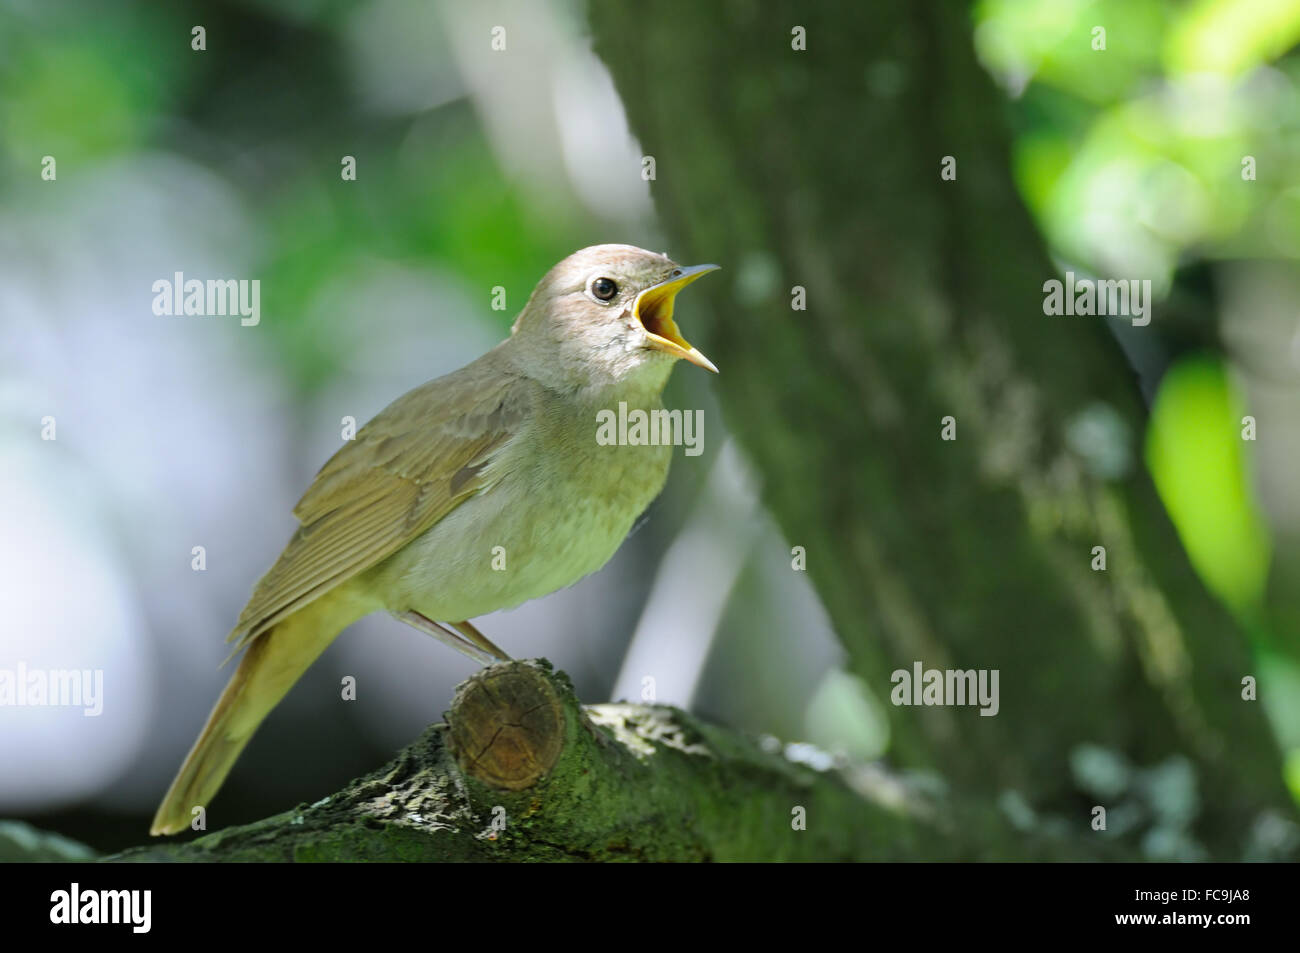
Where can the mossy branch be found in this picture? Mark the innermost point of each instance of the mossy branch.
(521, 771)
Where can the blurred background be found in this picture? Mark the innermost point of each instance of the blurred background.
(476, 169)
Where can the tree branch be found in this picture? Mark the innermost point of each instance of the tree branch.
(521, 771)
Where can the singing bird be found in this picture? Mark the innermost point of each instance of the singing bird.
(406, 517)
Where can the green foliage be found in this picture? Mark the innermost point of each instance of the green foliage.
(1200, 463)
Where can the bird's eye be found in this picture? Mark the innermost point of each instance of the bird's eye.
(604, 288)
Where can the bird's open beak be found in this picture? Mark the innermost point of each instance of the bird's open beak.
(654, 309)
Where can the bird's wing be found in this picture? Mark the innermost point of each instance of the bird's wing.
(409, 467)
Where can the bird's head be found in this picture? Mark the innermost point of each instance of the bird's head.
(605, 314)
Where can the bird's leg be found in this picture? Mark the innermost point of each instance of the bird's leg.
(458, 642)
(479, 639)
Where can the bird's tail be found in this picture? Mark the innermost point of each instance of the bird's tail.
(273, 662)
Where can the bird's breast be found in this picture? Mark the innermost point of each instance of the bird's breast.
(560, 506)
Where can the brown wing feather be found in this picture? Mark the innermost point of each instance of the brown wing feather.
(408, 468)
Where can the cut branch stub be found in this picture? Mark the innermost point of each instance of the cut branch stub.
(507, 726)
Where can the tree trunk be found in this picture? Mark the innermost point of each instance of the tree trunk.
(821, 169)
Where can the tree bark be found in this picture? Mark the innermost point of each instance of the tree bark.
(521, 771)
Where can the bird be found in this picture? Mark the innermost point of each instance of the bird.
(474, 492)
